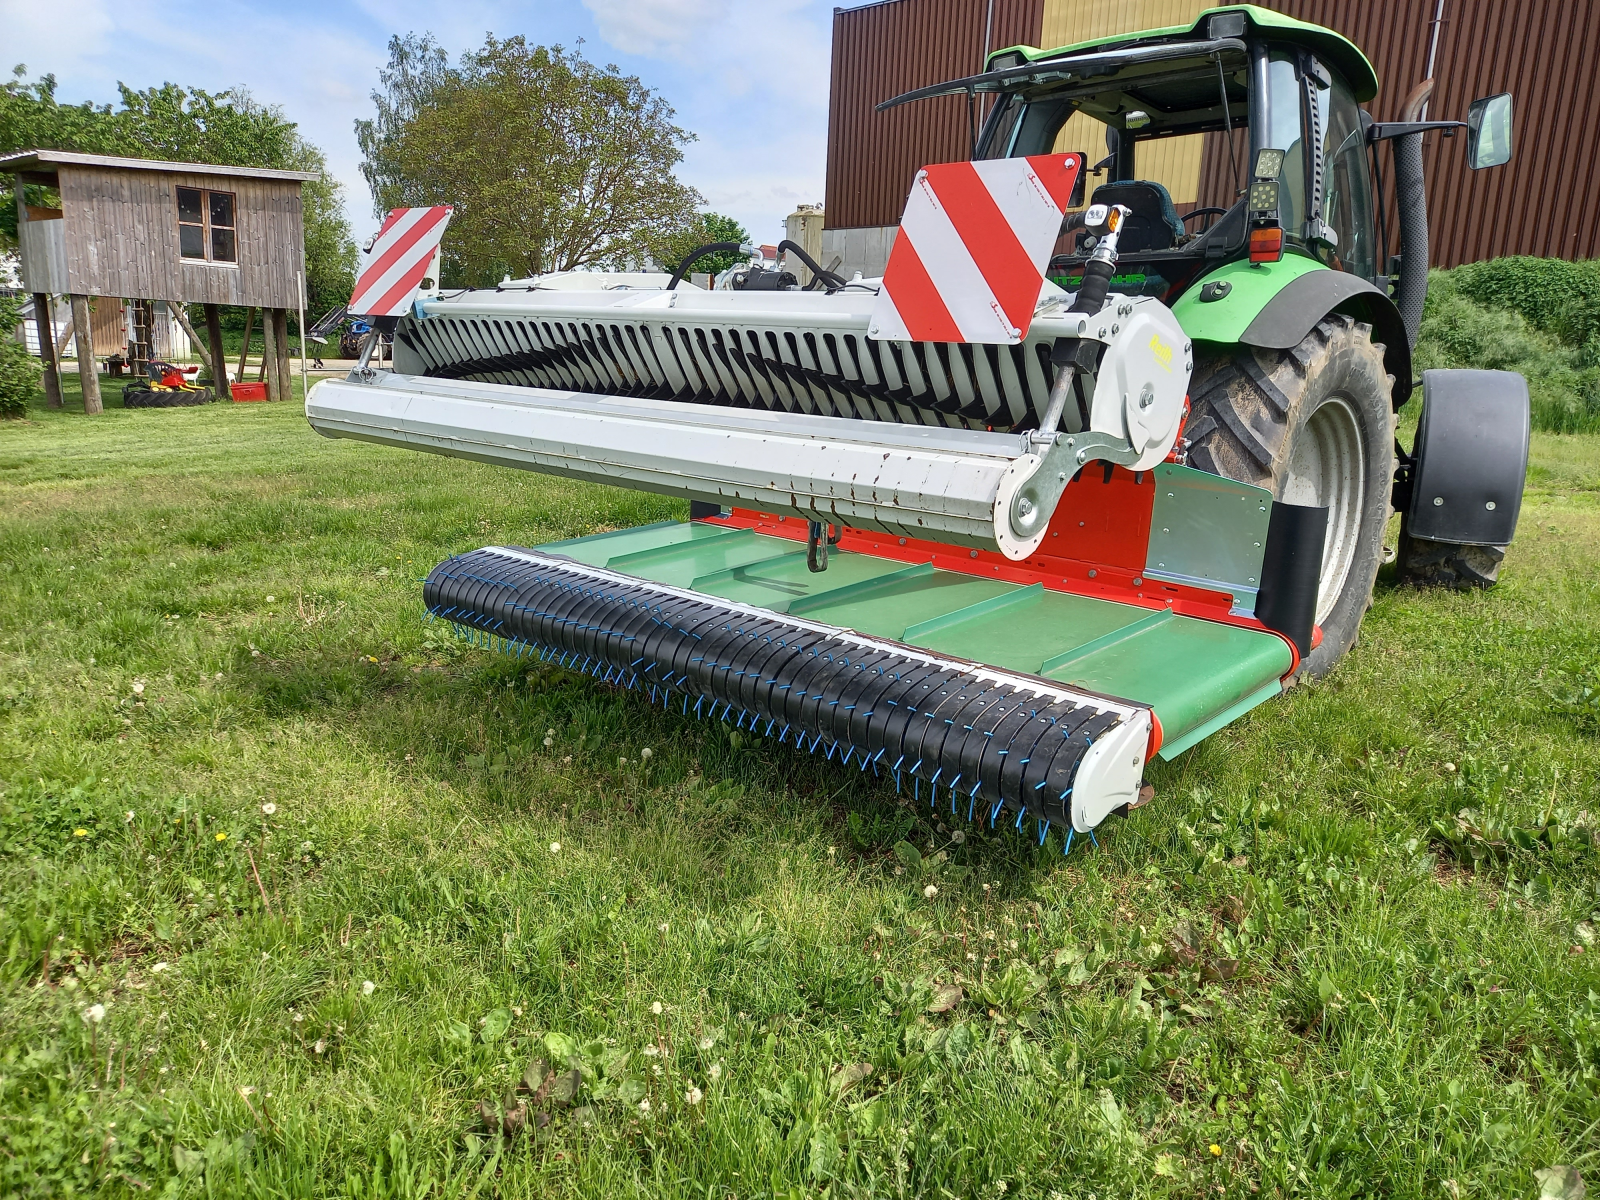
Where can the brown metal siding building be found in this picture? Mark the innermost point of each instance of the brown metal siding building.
(1542, 51)
(879, 51)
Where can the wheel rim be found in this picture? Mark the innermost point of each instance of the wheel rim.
(1328, 469)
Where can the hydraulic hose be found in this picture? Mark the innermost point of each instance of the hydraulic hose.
(697, 255)
(1412, 288)
(829, 279)
(1096, 283)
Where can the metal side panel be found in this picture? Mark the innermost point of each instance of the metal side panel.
(899, 479)
(1190, 672)
(1206, 531)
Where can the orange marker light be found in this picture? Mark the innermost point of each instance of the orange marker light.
(1266, 245)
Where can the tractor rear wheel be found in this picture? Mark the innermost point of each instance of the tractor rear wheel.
(1427, 563)
(1313, 425)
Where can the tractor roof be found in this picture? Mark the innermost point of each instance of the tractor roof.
(1336, 49)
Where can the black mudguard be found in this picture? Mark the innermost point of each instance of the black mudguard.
(1470, 457)
(1284, 321)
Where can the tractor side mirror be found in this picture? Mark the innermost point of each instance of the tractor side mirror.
(1489, 131)
(1080, 184)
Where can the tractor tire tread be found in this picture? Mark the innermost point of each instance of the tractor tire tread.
(1247, 406)
(1422, 562)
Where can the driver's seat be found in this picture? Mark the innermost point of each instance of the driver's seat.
(1154, 224)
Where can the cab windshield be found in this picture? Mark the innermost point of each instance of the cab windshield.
(1156, 137)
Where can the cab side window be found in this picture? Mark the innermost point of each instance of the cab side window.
(1285, 118)
(1346, 184)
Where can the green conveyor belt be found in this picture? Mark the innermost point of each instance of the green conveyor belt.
(1197, 675)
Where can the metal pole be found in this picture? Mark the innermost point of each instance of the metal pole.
(988, 34)
(1433, 49)
(300, 284)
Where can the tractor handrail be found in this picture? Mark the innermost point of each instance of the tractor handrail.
(1382, 131)
(1065, 68)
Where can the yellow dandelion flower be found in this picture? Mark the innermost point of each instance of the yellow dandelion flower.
(80, 833)
(1216, 1150)
(222, 837)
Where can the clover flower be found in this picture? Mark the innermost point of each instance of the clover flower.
(269, 808)
(930, 891)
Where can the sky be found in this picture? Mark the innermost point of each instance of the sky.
(748, 77)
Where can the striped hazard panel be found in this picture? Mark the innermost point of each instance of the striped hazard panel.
(973, 245)
(398, 260)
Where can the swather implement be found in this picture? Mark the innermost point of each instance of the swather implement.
(1070, 485)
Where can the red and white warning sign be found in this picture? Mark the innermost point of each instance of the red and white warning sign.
(394, 266)
(973, 246)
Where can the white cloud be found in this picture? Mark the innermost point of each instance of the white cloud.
(657, 28)
(749, 77)
(59, 37)
(781, 47)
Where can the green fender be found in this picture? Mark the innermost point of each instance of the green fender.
(1274, 306)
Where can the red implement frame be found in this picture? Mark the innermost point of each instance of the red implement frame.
(1098, 544)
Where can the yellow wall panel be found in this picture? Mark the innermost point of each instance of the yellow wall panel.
(1069, 21)
(1174, 162)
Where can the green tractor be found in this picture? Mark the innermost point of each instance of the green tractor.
(997, 526)
(1303, 323)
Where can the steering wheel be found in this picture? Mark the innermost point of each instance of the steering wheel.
(1205, 212)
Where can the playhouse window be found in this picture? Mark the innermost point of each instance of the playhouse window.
(206, 226)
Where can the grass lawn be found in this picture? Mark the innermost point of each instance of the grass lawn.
(295, 888)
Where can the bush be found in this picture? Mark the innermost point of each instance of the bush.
(1537, 316)
(1555, 296)
(19, 373)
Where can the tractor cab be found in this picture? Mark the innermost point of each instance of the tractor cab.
(1212, 103)
(1242, 98)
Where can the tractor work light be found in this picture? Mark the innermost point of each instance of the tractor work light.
(1269, 163)
(1266, 244)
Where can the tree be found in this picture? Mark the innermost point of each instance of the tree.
(551, 162)
(183, 125)
(702, 230)
(19, 373)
